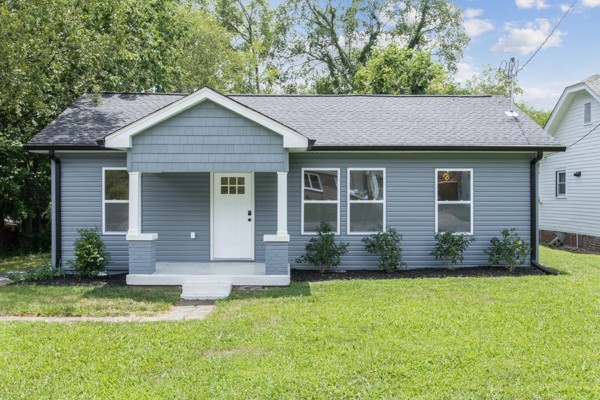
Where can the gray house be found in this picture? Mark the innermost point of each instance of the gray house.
(207, 189)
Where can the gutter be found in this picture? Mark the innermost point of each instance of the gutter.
(534, 220)
(439, 148)
(57, 208)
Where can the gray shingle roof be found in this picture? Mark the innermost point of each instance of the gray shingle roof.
(594, 83)
(332, 121)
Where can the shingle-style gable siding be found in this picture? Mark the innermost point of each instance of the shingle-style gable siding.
(566, 214)
(208, 138)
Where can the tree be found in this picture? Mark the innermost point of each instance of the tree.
(540, 116)
(331, 42)
(396, 70)
(258, 34)
(52, 51)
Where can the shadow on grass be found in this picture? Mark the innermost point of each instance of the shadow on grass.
(138, 294)
(296, 289)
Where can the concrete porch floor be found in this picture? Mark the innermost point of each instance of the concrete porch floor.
(234, 273)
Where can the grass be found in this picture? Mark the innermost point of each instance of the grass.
(75, 301)
(13, 263)
(534, 337)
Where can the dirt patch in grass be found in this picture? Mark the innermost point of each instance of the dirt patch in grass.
(299, 275)
(114, 280)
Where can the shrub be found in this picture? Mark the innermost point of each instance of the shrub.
(386, 245)
(322, 251)
(42, 273)
(449, 248)
(509, 251)
(91, 256)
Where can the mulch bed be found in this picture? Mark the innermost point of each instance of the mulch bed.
(74, 280)
(474, 272)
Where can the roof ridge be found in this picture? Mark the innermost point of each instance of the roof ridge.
(141, 93)
(366, 95)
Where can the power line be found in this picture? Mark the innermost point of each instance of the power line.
(549, 35)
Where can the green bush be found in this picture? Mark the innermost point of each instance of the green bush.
(510, 251)
(42, 273)
(91, 256)
(386, 245)
(322, 251)
(449, 248)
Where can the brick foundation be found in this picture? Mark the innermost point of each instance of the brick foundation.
(142, 257)
(574, 240)
(276, 258)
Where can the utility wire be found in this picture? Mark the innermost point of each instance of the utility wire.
(549, 35)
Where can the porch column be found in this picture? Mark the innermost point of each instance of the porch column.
(135, 203)
(142, 246)
(282, 201)
(276, 246)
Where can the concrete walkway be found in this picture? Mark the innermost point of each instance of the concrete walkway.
(184, 311)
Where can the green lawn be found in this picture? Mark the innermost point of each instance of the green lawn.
(14, 263)
(74, 301)
(534, 337)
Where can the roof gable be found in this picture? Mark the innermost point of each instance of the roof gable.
(121, 139)
(590, 85)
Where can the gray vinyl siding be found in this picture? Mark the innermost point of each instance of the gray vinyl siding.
(208, 138)
(176, 204)
(82, 203)
(501, 200)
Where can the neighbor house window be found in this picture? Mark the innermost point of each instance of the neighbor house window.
(561, 183)
(320, 199)
(366, 200)
(454, 200)
(587, 113)
(115, 201)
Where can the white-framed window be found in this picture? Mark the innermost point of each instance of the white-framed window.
(115, 201)
(454, 200)
(561, 183)
(366, 200)
(320, 199)
(587, 113)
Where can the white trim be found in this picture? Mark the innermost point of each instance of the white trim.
(348, 201)
(282, 200)
(121, 139)
(104, 201)
(471, 202)
(556, 194)
(142, 236)
(276, 238)
(568, 93)
(212, 216)
(135, 203)
(302, 201)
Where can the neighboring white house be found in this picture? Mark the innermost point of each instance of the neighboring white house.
(570, 181)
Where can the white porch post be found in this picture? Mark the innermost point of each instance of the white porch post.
(135, 203)
(282, 204)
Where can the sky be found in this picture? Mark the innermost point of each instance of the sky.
(501, 29)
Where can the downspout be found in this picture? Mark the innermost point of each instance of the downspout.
(57, 208)
(534, 215)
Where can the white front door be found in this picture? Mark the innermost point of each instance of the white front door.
(233, 216)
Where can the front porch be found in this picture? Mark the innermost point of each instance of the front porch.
(234, 273)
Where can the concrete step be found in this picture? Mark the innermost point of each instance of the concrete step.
(205, 291)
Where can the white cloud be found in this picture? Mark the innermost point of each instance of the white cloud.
(539, 4)
(590, 3)
(524, 40)
(564, 7)
(545, 96)
(465, 71)
(476, 26)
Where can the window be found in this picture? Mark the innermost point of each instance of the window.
(587, 113)
(454, 201)
(233, 185)
(366, 201)
(115, 201)
(561, 183)
(320, 199)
